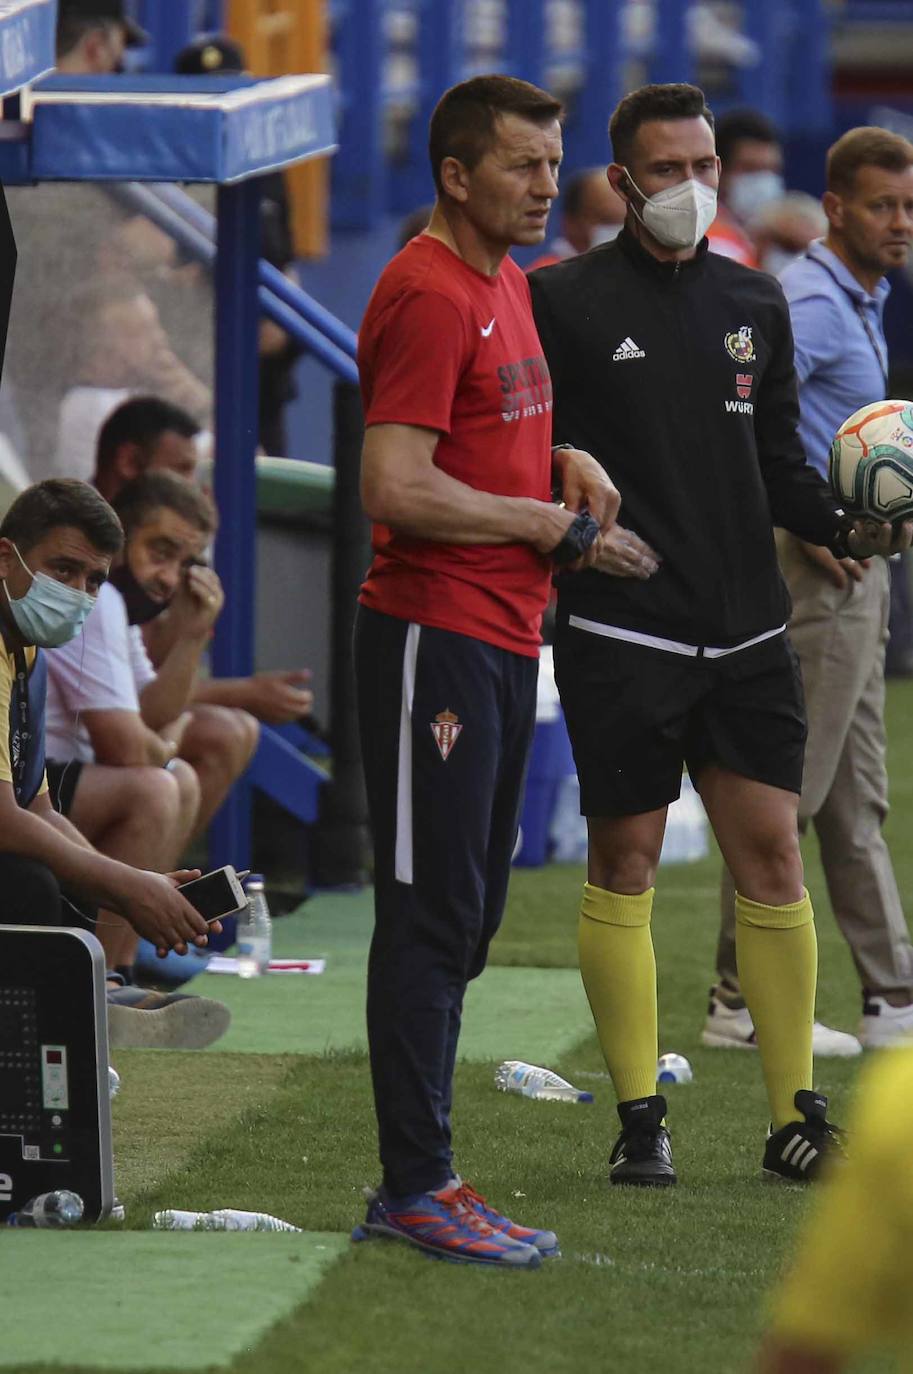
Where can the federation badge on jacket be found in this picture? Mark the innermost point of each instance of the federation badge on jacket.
(446, 729)
(739, 344)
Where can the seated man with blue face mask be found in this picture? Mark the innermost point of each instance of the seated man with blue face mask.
(56, 543)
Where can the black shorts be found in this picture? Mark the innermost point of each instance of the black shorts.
(62, 781)
(637, 714)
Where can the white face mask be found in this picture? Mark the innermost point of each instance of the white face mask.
(680, 216)
(749, 192)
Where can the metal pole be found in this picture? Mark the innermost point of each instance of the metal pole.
(170, 26)
(237, 399)
(527, 29)
(587, 142)
(359, 173)
(671, 59)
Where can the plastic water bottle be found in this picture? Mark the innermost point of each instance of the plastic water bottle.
(113, 1082)
(513, 1076)
(224, 1219)
(254, 930)
(49, 1211)
(673, 1068)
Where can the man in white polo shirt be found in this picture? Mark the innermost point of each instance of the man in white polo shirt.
(115, 725)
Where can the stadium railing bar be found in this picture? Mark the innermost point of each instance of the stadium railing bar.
(393, 59)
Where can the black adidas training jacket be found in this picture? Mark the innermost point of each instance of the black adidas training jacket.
(679, 378)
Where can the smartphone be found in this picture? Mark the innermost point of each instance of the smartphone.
(216, 894)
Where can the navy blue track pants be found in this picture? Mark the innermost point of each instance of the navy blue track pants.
(446, 724)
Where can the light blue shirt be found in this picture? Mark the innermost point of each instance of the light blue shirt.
(841, 364)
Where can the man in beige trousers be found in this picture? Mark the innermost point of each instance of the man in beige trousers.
(836, 296)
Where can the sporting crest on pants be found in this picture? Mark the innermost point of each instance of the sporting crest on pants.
(446, 729)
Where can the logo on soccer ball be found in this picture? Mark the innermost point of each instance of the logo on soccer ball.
(739, 344)
(743, 381)
(446, 729)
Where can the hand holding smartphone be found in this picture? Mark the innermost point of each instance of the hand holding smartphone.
(215, 894)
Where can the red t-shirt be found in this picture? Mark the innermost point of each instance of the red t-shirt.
(445, 347)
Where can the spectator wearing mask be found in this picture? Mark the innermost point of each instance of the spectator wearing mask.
(783, 229)
(56, 544)
(751, 176)
(130, 713)
(146, 434)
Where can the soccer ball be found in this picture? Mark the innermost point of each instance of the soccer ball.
(871, 461)
(673, 1068)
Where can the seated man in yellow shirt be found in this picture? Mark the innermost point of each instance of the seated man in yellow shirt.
(56, 544)
(848, 1291)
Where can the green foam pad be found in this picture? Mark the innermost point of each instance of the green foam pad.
(509, 1013)
(65, 1298)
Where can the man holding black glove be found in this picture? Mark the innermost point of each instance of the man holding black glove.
(674, 366)
(457, 475)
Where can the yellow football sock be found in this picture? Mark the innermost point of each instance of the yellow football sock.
(777, 957)
(619, 974)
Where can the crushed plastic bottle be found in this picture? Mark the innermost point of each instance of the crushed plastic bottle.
(224, 1219)
(254, 930)
(113, 1082)
(513, 1076)
(49, 1211)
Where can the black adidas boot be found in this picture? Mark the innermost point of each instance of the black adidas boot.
(799, 1150)
(643, 1154)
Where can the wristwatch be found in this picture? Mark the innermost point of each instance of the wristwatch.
(578, 537)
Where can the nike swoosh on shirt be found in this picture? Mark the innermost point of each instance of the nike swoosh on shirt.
(487, 329)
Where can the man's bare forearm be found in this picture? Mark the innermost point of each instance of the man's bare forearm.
(74, 863)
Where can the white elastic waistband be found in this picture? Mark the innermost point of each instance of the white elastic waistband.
(669, 646)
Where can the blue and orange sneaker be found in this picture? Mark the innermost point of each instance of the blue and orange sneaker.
(546, 1242)
(443, 1225)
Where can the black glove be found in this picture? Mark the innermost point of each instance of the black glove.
(840, 541)
(578, 538)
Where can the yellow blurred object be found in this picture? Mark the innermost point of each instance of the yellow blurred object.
(281, 38)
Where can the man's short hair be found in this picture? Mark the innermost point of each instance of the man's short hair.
(672, 100)
(743, 126)
(865, 147)
(72, 29)
(155, 491)
(59, 502)
(464, 122)
(142, 421)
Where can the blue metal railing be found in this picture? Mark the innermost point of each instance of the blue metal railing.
(303, 318)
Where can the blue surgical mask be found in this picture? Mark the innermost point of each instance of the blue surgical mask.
(50, 614)
(749, 192)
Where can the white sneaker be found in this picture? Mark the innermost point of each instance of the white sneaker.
(733, 1029)
(883, 1025)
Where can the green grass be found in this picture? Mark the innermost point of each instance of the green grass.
(673, 1280)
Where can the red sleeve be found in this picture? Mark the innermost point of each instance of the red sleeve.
(412, 365)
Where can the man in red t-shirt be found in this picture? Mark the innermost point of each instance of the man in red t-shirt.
(457, 473)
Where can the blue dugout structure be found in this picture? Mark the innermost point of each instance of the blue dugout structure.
(225, 131)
